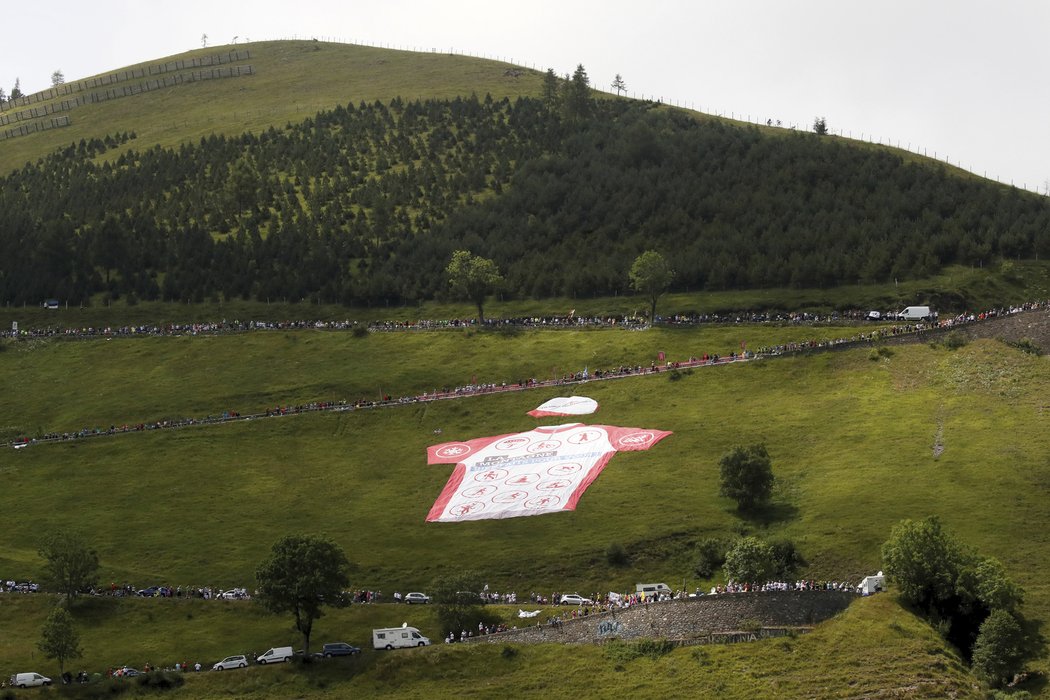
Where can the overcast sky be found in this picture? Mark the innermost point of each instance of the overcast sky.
(965, 79)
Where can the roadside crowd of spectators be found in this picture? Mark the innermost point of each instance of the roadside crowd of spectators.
(800, 585)
(475, 388)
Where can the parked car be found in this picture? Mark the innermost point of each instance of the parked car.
(418, 598)
(235, 594)
(275, 655)
(573, 599)
(238, 661)
(28, 680)
(337, 649)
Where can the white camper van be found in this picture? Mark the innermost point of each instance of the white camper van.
(275, 655)
(653, 591)
(872, 584)
(398, 638)
(917, 313)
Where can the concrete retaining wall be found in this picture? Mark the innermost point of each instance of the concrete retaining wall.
(689, 619)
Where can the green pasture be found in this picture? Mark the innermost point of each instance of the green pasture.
(56, 385)
(852, 441)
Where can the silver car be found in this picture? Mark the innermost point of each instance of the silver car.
(238, 661)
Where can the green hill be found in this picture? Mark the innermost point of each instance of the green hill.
(344, 176)
(363, 203)
(852, 438)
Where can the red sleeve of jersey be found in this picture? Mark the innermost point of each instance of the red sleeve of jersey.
(438, 509)
(628, 439)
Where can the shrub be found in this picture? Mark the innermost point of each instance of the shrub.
(1024, 345)
(508, 652)
(710, 554)
(750, 559)
(955, 340)
(786, 558)
(161, 680)
(1000, 650)
(359, 331)
(616, 555)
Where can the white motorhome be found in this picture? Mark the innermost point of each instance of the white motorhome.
(872, 584)
(398, 638)
(917, 313)
(275, 655)
(653, 591)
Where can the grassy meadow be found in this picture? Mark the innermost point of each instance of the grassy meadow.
(852, 439)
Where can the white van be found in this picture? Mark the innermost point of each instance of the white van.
(916, 313)
(275, 655)
(653, 591)
(28, 680)
(398, 638)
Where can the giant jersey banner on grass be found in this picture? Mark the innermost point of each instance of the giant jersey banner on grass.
(541, 471)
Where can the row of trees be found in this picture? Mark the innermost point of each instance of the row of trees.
(365, 204)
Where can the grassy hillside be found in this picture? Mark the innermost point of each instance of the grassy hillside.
(898, 655)
(852, 441)
(293, 80)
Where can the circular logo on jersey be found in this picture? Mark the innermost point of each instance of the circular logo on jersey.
(554, 485)
(455, 449)
(466, 509)
(491, 475)
(585, 437)
(544, 446)
(511, 497)
(512, 443)
(636, 439)
(522, 479)
(542, 502)
(564, 469)
(480, 491)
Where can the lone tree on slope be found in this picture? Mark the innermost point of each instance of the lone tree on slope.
(71, 567)
(303, 574)
(651, 275)
(747, 476)
(473, 277)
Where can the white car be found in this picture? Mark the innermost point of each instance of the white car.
(573, 599)
(421, 598)
(238, 661)
(28, 680)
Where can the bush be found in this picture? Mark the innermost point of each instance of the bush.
(508, 652)
(161, 680)
(750, 559)
(1000, 650)
(616, 555)
(359, 331)
(786, 559)
(1024, 345)
(955, 340)
(710, 554)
